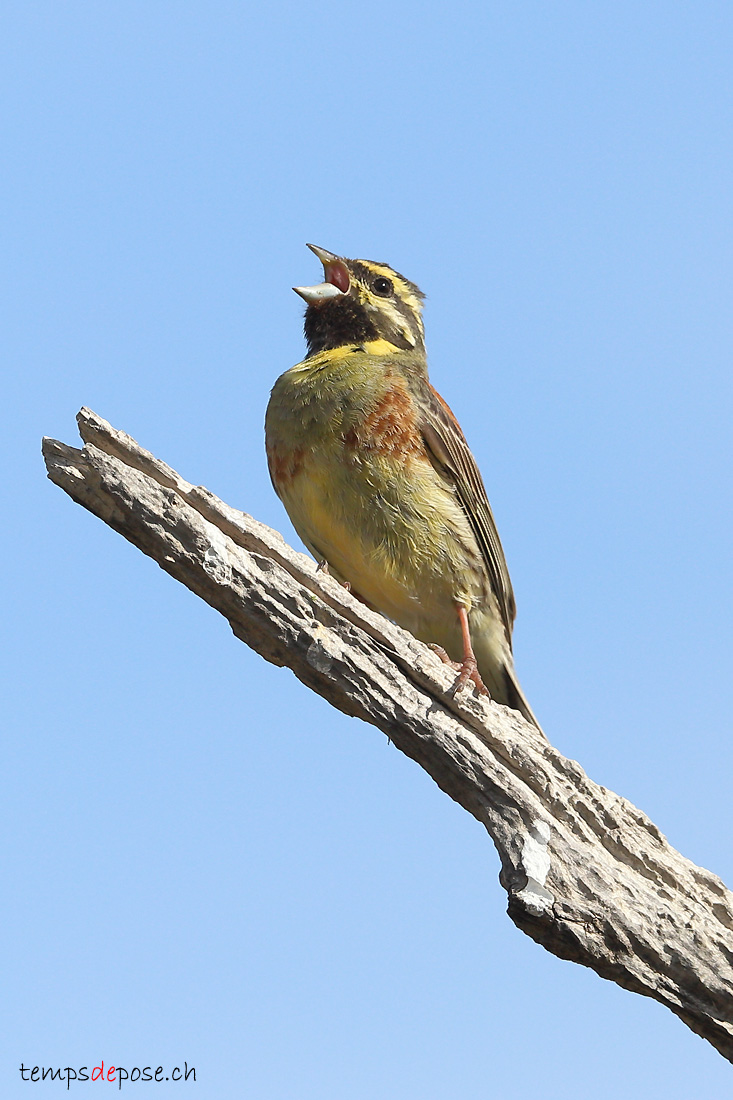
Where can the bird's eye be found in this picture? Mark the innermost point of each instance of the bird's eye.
(382, 286)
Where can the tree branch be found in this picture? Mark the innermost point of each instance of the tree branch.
(588, 875)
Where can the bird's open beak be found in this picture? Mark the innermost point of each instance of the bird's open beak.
(337, 279)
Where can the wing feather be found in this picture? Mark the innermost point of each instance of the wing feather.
(453, 459)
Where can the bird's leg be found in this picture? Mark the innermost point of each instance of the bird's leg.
(469, 668)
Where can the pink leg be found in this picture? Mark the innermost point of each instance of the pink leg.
(467, 669)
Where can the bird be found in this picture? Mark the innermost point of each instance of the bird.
(379, 481)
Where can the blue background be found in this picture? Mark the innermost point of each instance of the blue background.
(201, 860)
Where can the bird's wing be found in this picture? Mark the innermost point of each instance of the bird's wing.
(453, 459)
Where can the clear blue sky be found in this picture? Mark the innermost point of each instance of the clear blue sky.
(201, 861)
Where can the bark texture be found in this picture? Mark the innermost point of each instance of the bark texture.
(588, 875)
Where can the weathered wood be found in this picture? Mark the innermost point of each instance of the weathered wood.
(588, 875)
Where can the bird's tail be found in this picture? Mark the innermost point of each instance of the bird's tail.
(501, 680)
(516, 697)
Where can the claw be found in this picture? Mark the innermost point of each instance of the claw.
(469, 671)
(322, 567)
(444, 657)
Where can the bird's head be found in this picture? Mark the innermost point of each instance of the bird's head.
(360, 302)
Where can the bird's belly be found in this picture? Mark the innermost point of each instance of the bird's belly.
(396, 534)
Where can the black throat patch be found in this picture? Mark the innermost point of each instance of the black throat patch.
(336, 323)
(342, 321)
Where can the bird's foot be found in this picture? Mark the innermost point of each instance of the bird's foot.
(444, 657)
(468, 670)
(322, 567)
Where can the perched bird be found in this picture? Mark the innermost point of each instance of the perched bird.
(378, 480)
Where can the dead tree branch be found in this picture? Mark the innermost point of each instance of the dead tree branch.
(588, 875)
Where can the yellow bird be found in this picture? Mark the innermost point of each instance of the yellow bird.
(378, 480)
